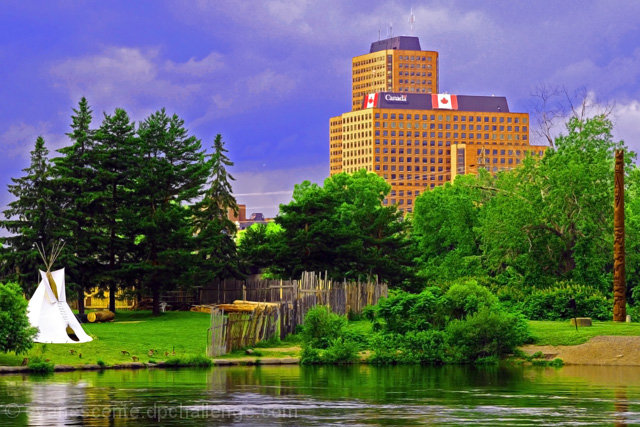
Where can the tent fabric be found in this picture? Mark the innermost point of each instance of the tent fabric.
(53, 315)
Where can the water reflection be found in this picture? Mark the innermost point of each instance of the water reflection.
(317, 395)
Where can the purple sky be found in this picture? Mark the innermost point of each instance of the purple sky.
(268, 75)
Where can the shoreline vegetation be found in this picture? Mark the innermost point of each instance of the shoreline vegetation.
(137, 340)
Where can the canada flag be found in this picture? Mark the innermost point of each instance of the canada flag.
(371, 100)
(444, 101)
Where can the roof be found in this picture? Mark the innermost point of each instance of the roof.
(398, 43)
(415, 101)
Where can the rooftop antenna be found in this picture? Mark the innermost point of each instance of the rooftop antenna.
(412, 21)
(390, 31)
(378, 33)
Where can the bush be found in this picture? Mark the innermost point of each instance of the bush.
(341, 350)
(16, 334)
(483, 334)
(310, 356)
(403, 312)
(426, 347)
(39, 366)
(321, 327)
(467, 298)
(553, 303)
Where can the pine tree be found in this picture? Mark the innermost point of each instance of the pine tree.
(215, 231)
(171, 173)
(114, 163)
(30, 219)
(74, 183)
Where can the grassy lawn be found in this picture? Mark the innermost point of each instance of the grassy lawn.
(563, 333)
(173, 334)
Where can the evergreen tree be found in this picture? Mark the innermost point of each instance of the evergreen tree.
(215, 231)
(30, 219)
(172, 171)
(75, 198)
(343, 228)
(114, 163)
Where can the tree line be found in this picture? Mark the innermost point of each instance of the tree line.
(137, 206)
(534, 234)
(143, 206)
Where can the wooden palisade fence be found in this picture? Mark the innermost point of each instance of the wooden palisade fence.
(294, 298)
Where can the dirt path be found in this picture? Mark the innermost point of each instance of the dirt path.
(602, 350)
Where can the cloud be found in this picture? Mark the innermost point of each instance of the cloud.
(19, 139)
(141, 80)
(626, 119)
(265, 190)
(206, 66)
(122, 77)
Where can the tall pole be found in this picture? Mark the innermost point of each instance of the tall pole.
(619, 285)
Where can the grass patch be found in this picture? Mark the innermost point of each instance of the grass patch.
(133, 335)
(563, 333)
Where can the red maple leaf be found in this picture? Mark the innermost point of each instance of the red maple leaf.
(444, 101)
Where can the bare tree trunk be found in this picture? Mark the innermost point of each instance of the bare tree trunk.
(112, 296)
(619, 285)
(81, 299)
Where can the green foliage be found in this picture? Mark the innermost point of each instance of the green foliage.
(443, 227)
(461, 325)
(467, 297)
(171, 172)
(216, 248)
(39, 366)
(341, 350)
(403, 311)
(259, 246)
(535, 225)
(343, 228)
(30, 218)
(552, 303)
(485, 333)
(321, 327)
(326, 340)
(103, 365)
(16, 334)
(546, 218)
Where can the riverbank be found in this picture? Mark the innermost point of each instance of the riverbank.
(599, 350)
(138, 340)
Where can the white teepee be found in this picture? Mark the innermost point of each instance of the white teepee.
(48, 309)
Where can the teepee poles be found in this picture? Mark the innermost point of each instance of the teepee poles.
(56, 249)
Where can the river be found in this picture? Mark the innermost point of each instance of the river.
(326, 395)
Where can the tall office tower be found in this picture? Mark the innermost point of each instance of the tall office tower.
(418, 140)
(393, 65)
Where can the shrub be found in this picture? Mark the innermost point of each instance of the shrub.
(467, 298)
(403, 312)
(310, 356)
(199, 361)
(39, 366)
(426, 347)
(341, 350)
(321, 327)
(485, 333)
(553, 303)
(15, 332)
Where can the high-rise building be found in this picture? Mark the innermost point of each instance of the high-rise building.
(393, 65)
(414, 137)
